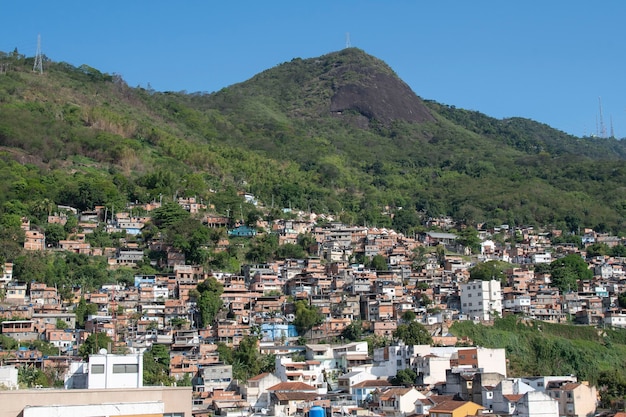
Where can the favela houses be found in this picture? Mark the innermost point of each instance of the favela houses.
(317, 241)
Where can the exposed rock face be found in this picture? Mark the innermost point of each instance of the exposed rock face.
(378, 96)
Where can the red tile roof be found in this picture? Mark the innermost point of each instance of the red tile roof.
(292, 386)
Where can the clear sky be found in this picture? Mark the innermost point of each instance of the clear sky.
(552, 61)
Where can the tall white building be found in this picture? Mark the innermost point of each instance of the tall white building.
(481, 300)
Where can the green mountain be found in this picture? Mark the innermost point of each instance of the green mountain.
(340, 133)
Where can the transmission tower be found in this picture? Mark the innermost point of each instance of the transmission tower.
(602, 127)
(612, 131)
(348, 45)
(38, 65)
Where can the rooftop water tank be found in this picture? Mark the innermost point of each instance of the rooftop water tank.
(317, 411)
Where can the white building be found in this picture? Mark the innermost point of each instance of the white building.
(536, 404)
(255, 391)
(389, 360)
(518, 303)
(8, 377)
(115, 371)
(6, 274)
(431, 369)
(481, 299)
(502, 399)
(540, 383)
(215, 376)
(615, 318)
(541, 258)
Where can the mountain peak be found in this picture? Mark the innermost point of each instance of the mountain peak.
(348, 84)
(368, 87)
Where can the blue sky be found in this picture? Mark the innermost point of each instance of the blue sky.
(552, 61)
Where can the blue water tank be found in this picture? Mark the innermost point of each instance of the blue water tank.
(317, 411)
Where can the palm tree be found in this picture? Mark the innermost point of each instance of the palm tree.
(45, 206)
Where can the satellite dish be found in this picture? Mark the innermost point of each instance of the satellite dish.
(102, 351)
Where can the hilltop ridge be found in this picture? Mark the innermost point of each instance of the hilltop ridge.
(339, 133)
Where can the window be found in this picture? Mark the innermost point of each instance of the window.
(97, 369)
(121, 368)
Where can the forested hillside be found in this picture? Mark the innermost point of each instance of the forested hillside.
(539, 348)
(340, 133)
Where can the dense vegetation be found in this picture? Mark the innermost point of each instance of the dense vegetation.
(78, 137)
(540, 348)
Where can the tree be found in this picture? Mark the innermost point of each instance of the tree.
(209, 301)
(94, 343)
(468, 238)
(413, 333)
(290, 251)
(612, 387)
(408, 316)
(44, 207)
(307, 242)
(353, 331)
(379, 263)
(486, 271)
(566, 272)
(54, 233)
(8, 343)
(169, 214)
(178, 323)
(419, 258)
(618, 250)
(404, 377)
(31, 376)
(263, 248)
(306, 317)
(597, 249)
(156, 366)
(191, 237)
(82, 311)
(252, 217)
(246, 359)
(440, 250)
(71, 224)
(405, 220)
(11, 240)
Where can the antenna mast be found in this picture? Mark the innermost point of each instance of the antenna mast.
(348, 45)
(602, 127)
(38, 66)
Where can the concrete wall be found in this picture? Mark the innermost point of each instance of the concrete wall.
(105, 402)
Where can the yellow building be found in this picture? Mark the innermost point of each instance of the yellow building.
(456, 409)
